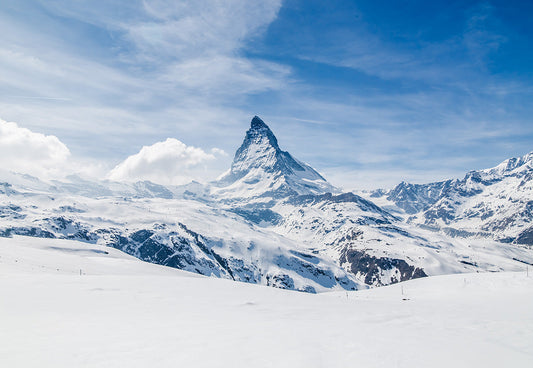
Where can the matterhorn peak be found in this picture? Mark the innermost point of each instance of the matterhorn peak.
(257, 123)
(260, 163)
(260, 150)
(258, 134)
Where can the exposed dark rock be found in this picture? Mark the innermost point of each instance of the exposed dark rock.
(259, 216)
(372, 267)
(280, 281)
(525, 237)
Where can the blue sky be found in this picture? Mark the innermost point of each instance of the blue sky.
(367, 93)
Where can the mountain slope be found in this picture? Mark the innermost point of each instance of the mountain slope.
(177, 232)
(121, 312)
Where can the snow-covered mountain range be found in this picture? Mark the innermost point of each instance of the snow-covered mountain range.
(274, 220)
(495, 203)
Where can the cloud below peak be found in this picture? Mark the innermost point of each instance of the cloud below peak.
(170, 162)
(25, 151)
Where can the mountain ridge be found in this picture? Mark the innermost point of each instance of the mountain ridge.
(495, 202)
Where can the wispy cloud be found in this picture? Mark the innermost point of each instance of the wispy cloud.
(481, 36)
(181, 30)
(458, 60)
(161, 69)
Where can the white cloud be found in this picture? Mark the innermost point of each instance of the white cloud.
(179, 29)
(24, 151)
(168, 162)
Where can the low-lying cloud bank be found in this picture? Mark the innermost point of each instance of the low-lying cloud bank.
(169, 162)
(24, 151)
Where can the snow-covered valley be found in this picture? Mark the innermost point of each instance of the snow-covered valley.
(124, 312)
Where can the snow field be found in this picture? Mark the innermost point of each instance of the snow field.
(122, 312)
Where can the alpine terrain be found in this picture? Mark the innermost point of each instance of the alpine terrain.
(494, 203)
(274, 220)
(67, 303)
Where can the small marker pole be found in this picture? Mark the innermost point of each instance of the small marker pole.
(402, 289)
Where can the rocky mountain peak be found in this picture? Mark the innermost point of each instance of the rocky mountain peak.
(260, 136)
(260, 163)
(260, 150)
(511, 164)
(258, 124)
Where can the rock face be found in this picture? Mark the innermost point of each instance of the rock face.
(373, 268)
(496, 203)
(275, 221)
(261, 169)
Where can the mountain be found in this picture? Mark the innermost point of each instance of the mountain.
(413, 198)
(143, 220)
(273, 220)
(494, 203)
(373, 245)
(261, 170)
(272, 189)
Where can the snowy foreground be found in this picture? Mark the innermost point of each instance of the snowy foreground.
(121, 312)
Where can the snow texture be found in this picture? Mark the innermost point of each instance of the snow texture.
(70, 304)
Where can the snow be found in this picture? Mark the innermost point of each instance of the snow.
(253, 252)
(123, 312)
(493, 203)
(333, 227)
(321, 228)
